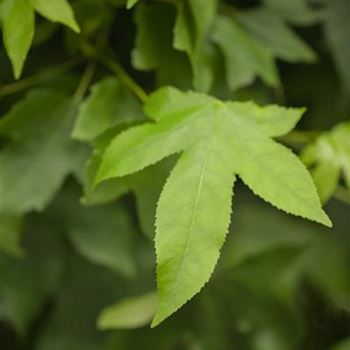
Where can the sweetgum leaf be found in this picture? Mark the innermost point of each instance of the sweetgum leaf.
(17, 18)
(219, 140)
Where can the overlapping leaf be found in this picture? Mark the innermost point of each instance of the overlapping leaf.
(219, 141)
(129, 313)
(110, 104)
(153, 48)
(329, 158)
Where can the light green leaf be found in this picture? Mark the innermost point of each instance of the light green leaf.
(245, 57)
(56, 11)
(187, 252)
(219, 140)
(337, 32)
(329, 158)
(17, 18)
(131, 3)
(273, 33)
(41, 153)
(129, 313)
(109, 104)
(343, 345)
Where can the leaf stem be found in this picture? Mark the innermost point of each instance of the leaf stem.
(112, 64)
(84, 82)
(120, 72)
(23, 84)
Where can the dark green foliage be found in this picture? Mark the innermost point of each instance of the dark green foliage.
(102, 161)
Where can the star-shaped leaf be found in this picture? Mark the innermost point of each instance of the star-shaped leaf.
(218, 140)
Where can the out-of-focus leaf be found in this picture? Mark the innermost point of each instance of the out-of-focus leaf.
(327, 264)
(131, 3)
(56, 11)
(337, 31)
(104, 235)
(17, 18)
(297, 12)
(344, 345)
(41, 153)
(193, 21)
(109, 104)
(244, 55)
(86, 289)
(153, 46)
(91, 16)
(10, 232)
(273, 33)
(329, 159)
(28, 282)
(129, 313)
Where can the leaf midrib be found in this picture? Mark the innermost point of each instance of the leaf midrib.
(195, 206)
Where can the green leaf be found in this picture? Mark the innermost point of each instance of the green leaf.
(218, 140)
(343, 345)
(10, 232)
(329, 159)
(104, 235)
(56, 11)
(109, 104)
(85, 290)
(245, 57)
(26, 283)
(330, 257)
(273, 33)
(17, 18)
(297, 12)
(131, 3)
(129, 313)
(153, 45)
(337, 32)
(193, 21)
(41, 153)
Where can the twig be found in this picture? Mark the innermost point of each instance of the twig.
(84, 82)
(112, 64)
(23, 84)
